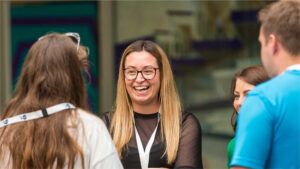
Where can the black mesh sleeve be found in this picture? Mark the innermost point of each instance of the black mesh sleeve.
(190, 146)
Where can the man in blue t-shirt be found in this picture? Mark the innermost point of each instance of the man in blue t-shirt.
(268, 131)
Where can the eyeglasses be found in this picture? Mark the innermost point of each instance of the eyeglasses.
(73, 35)
(148, 73)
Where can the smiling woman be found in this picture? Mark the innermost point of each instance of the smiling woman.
(242, 82)
(148, 125)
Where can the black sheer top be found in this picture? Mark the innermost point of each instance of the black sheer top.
(189, 151)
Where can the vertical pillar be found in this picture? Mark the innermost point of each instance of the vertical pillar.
(106, 55)
(5, 54)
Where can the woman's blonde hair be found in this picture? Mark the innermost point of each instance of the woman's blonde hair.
(51, 74)
(122, 123)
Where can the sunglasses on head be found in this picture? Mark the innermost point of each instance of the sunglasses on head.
(73, 35)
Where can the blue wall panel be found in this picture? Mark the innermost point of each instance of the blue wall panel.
(29, 22)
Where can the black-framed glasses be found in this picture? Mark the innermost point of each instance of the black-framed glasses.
(73, 35)
(148, 73)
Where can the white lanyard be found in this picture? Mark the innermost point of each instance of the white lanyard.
(294, 67)
(36, 114)
(144, 155)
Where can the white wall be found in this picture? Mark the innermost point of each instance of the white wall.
(138, 19)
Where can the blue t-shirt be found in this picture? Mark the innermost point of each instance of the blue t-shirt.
(268, 131)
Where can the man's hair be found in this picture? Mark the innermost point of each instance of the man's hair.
(283, 20)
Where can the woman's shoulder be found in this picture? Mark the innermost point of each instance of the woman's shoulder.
(230, 150)
(190, 121)
(187, 116)
(93, 127)
(96, 143)
(89, 119)
(88, 125)
(231, 144)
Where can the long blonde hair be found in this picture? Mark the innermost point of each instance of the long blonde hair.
(122, 123)
(51, 74)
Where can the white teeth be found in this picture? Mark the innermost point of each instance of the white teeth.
(140, 88)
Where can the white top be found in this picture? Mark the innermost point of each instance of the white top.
(98, 148)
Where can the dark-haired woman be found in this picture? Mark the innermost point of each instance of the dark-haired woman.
(242, 82)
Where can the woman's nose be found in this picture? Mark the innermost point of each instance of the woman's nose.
(139, 77)
(241, 100)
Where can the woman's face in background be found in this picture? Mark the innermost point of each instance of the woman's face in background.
(240, 92)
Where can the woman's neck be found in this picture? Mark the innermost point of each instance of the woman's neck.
(146, 109)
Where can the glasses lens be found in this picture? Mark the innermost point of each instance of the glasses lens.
(148, 73)
(130, 74)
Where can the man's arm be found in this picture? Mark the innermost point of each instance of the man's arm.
(254, 133)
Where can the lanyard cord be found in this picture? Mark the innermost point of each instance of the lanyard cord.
(36, 114)
(145, 154)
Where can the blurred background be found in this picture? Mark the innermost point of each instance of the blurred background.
(206, 42)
